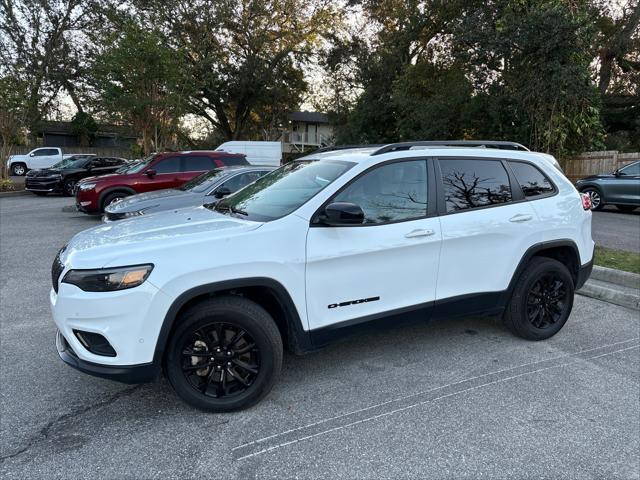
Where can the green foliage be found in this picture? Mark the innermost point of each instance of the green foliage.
(7, 185)
(84, 126)
(137, 77)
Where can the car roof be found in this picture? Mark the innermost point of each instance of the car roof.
(235, 168)
(203, 152)
(369, 155)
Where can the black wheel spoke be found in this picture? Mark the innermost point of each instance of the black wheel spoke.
(228, 367)
(546, 300)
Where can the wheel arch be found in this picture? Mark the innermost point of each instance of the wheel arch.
(110, 190)
(266, 292)
(565, 251)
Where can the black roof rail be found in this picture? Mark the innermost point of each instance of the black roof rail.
(394, 147)
(332, 148)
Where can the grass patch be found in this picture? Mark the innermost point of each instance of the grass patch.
(618, 259)
(6, 185)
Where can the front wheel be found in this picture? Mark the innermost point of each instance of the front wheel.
(225, 354)
(18, 169)
(542, 300)
(113, 198)
(68, 186)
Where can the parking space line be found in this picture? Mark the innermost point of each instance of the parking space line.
(580, 356)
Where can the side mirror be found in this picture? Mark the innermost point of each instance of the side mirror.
(151, 173)
(342, 213)
(32, 154)
(222, 192)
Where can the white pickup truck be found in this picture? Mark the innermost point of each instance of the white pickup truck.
(43, 157)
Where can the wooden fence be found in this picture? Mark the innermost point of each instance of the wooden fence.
(100, 151)
(591, 163)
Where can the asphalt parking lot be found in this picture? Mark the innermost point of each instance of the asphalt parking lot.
(615, 229)
(452, 399)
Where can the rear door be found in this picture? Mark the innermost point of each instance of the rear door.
(358, 273)
(486, 227)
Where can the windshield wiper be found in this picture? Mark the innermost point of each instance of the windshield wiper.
(222, 208)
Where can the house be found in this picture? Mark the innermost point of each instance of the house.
(61, 134)
(307, 129)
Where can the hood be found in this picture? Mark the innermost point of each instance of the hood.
(43, 172)
(146, 237)
(173, 198)
(116, 176)
(595, 177)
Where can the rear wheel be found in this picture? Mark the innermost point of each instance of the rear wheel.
(595, 196)
(626, 208)
(542, 300)
(225, 354)
(18, 169)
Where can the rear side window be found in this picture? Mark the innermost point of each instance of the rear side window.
(474, 184)
(532, 181)
(232, 161)
(198, 164)
(390, 193)
(167, 165)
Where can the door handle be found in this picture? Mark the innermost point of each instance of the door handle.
(420, 233)
(521, 218)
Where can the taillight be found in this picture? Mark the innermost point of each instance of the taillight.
(586, 201)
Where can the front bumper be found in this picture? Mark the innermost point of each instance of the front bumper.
(42, 184)
(122, 373)
(86, 201)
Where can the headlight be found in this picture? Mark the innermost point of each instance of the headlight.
(86, 186)
(108, 279)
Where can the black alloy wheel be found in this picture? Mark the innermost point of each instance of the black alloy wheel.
(220, 360)
(547, 300)
(541, 301)
(225, 354)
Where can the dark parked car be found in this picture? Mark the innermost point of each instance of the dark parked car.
(157, 172)
(620, 188)
(63, 176)
(207, 188)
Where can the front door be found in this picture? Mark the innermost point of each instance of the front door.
(384, 265)
(624, 188)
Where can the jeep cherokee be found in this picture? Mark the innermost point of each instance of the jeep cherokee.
(320, 248)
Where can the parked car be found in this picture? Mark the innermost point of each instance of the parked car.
(314, 251)
(157, 172)
(37, 158)
(206, 188)
(62, 177)
(257, 153)
(620, 188)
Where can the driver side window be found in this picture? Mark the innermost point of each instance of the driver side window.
(391, 193)
(633, 169)
(167, 165)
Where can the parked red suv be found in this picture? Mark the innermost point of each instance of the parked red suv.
(162, 170)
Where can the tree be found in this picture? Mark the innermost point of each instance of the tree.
(12, 113)
(136, 78)
(36, 44)
(243, 59)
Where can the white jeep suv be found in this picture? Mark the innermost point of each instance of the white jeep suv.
(318, 249)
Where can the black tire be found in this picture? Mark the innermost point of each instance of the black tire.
(67, 187)
(528, 314)
(197, 332)
(112, 197)
(19, 169)
(626, 208)
(597, 201)
(41, 194)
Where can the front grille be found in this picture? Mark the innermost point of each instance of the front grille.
(56, 270)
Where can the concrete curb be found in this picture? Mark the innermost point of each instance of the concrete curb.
(617, 277)
(610, 295)
(613, 286)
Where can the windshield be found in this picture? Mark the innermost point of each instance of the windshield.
(74, 162)
(136, 166)
(203, 181)
(282, 191)
(63, 163)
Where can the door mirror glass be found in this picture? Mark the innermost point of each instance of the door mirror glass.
(222, 191)
(342, 213)
(151, 173)
(32, 154)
